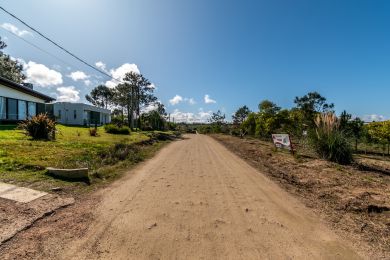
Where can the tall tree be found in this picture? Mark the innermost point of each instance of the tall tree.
(344, 121)
(356, 130)
(161, 109)
(268, 107)
(124, 100)
(311, 104)
(240, 115)
(249, 125)
(217, 118)
(101, 96)
(9, 68)
(141, 92)
(268, 119)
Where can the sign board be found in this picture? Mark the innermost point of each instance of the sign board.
(282, 141)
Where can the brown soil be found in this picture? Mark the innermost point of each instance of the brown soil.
(355, 203)
(193, 200)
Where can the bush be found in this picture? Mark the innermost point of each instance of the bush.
(121, 152)
(39, 127)
(329, 142)
(119, 130)
(93, 132)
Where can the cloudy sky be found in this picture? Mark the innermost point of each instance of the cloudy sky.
(208, 55)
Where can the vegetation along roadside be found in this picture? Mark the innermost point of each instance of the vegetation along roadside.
(353, 201)
(23, 161)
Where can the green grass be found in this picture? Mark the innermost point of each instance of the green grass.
(23, 161)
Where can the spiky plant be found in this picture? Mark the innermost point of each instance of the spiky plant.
(329, 141)
(39, 127)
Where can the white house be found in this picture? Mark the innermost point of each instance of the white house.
(20, 101)
(80, 114)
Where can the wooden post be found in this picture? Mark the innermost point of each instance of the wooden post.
(291, 145)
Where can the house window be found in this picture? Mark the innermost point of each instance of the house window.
(32, 109)
(59, 114)
(74, 114)
(41, 108)
(2, 108)
(12, 109)
(22, 110)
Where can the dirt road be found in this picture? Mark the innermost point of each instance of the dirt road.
(196, 200)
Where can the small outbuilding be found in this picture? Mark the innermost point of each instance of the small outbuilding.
(80, 114)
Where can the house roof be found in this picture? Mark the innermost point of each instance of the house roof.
(24, 89)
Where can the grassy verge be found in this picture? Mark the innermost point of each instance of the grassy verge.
(23, 161)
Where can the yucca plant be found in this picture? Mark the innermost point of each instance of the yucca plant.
(39, 127)
(329, 142)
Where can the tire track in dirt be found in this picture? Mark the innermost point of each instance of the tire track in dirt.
(197, 200)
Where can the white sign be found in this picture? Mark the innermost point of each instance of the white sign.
(282, 141)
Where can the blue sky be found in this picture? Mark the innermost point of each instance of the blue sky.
(236, 52)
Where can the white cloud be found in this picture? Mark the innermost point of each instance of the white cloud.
(208, 100)
(78, 75)
(373, 117)
(101, 65)
(15, 30)
(68, 94)
(56, 67)
(120, 72)
(41, 75)
(150, 107)
(175, 100)
(189, 117)
(87, 82)
(204, 115)
(190, 101)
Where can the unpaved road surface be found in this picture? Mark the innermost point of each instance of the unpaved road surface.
(197, 200)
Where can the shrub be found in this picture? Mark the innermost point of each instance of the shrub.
(39, 127)
(329, 142)
(93, 132)
(114, 129)
(121, 152)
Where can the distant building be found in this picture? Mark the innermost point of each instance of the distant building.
(20, 101)
(80, 114)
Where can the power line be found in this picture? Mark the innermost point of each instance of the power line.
(59, 46)
(39, 48)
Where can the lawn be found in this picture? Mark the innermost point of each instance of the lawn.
(23, 161)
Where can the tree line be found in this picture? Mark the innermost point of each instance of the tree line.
(313, 119)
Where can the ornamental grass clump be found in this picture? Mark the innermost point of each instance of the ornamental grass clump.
(329, 142)
(39, 127)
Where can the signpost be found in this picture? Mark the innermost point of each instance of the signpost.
(283, 141)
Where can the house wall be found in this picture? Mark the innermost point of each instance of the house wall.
(68, 110)
(64, 113)
(12, 93)
(22, 107)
